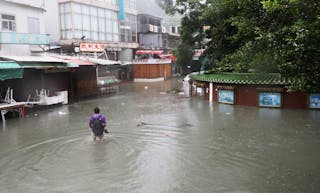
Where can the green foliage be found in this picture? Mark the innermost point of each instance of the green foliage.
(257, 35)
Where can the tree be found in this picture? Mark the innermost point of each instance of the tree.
(191, 32)
(258, 35)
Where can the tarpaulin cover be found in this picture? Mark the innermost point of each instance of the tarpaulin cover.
(10, 70)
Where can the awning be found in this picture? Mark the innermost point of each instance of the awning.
(37, 61)
(72, 65)
(9, 65)
(10, 70)
(102, 61)
(73, 61)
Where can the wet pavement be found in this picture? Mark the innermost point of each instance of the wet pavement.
(161, 143)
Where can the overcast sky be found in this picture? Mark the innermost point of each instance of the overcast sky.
(150, 7)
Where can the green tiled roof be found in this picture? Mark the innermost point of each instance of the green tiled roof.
(243, 78)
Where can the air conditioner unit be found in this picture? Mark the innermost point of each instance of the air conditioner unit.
(163, 30)
(155, 28)
(151, 28)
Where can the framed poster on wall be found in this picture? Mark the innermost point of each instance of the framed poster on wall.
(314, 101)
(270, 99)
(226, 96)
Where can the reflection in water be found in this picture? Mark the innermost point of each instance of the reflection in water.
(161, 142)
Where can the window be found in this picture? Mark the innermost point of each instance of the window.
(33, 25)
(78, 33)
(93, 11)
(102, 25)
(77, 21)
(128, 29)
(101, 12)
(67, 7)
(68, 21)
(8, 22)
(85, 9)
(115, 27)
(69, 34)
(62, 22)
(109, 26)
(86, 22)
(77, 7)
(173, 29)
(94, 23)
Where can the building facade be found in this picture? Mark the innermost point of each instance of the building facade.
(249, 89)
(112, 23)
(22, 27)
(157, 30)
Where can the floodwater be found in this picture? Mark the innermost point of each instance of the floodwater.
(161, 142)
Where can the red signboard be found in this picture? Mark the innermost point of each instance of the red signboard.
(91, 47)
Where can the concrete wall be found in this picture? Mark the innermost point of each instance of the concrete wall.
(21, 13)
(151, 40)
(126, 55)
(52, 24)
(248, 95)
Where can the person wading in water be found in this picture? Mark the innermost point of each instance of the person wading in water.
(97, 123)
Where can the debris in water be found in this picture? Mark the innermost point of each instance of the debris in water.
(141, 124)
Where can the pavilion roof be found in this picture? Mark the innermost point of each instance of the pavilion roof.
(244, 78)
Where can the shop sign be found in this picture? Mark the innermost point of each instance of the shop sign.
(226, 96)
(91, 47)
(24, 38)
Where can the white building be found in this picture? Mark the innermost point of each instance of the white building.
(111, 23)
(22, 29)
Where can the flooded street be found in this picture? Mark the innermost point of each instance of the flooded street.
(161, 142)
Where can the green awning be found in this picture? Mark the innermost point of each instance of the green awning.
(9, 65)
(10, 70)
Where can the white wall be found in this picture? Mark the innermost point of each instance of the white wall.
(21, 13)
(52, 20)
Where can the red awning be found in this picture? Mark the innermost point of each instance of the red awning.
(169, 56)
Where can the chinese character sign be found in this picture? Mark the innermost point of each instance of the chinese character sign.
(91, 47)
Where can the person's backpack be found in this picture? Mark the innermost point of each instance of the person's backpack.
(98, 127)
